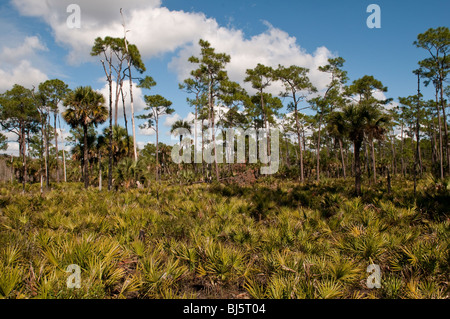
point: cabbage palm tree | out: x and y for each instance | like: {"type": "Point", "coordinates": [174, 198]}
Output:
{"type": "Point", "coordinates": [362, 120]}
{"type": "Point", "coordinates": [121, 144]}
{"type": "Point", "coordinates": [85, 107]}
{"type": "Point", "coordinates": [376, 128]}
{"type": "Point", "coordinates": [336, 129]}
{"type": "Point", "coordinates": [355, 116]}
{"type": "Point", "coordinates": [180, 124]}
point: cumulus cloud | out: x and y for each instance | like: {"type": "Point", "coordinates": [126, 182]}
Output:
{"type": "Point", "coordinates": [146, 131]}
{"type": "Point", "coordinates": [13, 149]}
{"type": "Point", "coordinates": [24, 74]}
{"type": "Point", "coordinates": [97, 19]}
{"type": "Point", "coordinates": [170, 119]}
{"type": "Point", "coordinates": [141, 145]}
{"type": "Point", "coordinates": [12, 142]}
{"type": "Point", "coordinates": [156, 30]}
{"type": "Point", "coordinates": [17, 66]}
{"type": "Point", "coordinates": [271, 48]}
{"type": "Point", "coordinates": [29, 46]}
{"type": "Point", "coordinates": [379, 95]}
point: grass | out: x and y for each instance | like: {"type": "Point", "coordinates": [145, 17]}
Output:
{"type": "Point", "coordinates": [273, 239]}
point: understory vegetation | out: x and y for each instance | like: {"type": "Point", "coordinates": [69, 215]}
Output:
{"type": "Point", "coordinates": [273, 239]}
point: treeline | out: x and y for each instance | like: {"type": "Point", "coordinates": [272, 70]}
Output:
{"type": "Point", "coordinates": [351, 133]}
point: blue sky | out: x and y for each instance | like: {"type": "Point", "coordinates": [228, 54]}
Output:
{"type": "Point", "coordinates": [38, 45]}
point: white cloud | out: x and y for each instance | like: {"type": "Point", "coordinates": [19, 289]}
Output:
{"type": "Point", "coordinates": [24, 50]}
{"type": "Point", "coordinates": [170, 119]}
{"type": "Point", "coordinates": [13, 149]}
{"type": "Point", "coordinates": [190, 117]}
{"type": "Point", "coordinates": [379, 95]}
{"type": "Point", "coordinates": [17, 64]}
{"type": "Point", "coordinates": [146, 131]}
{"type": "Point", "coordinates": [97, 19]}
{"type": "Point", "coordinates": [141, 145]}
{"type": "Point", "coordinates": [24, 74]}
{"type": "Point", "coordinates": [157, 30]}
{"type": "Point", "coordinates": [271, 48]}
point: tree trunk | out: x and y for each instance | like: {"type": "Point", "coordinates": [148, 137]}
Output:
{"type": "Point", "coordinates": [211, 105]}
{"type": "Point", "coordinates": [357, 147]}
{"type": "Point", "coordinates": [203, 145]}
{"type": "Point", "coordinates": [24, 159]}
{"type": "Point", "coordinates": [85, 157]}
{"type": "Point", "coordinates": [318, 151]}
{"type": "Point", "coordinates": [441, 157]}
{"type": "Point", "coordinates": [342, 158]}
{"type": "Point", "coordinates": [157, 149]}
{"type": "Point", "coordinates": [374, 165]}
{"type": "Point", "coordinates": [132, 110]}
{"type": "Point", "coordinates": [47, 155]}
{"type": "Point", "coordinates": [444, 118]}
{"type": "Point", "coordinates": [63, 152]}
{"type": "Point", "coordinates": [118, 90]}
{"type": "Point", "coordinates": [401, 151]}
{"type": "Point", "coordinates": [266, 124]}
{"type": "Point", "coordinates": [110, 160]}
{"type": "Point", "coordinates": [99, 170]}
{"type": "Point", "coordinates": [394, 166]}
{"type": "Point", "coordinates": [366, 162]}
{"type": "Point", "coordinates": [131, 88]}
{"type": "Point", "coordinates": [434, 145]}
{"type": "Point", "coordinates": [125, 118]}
{"type": "Point", "coordinates": [56, 149]}
{"type": "Point", "coordinates": [44, 143]}
{"type": "Point", "coordinates": [417, 159]}
{"type": "Point", "coordinates": [297, 124]}
{"type": "Point", "coordinates": [420, 160]}
{"type": "Point", "coordinates": [195, 137]}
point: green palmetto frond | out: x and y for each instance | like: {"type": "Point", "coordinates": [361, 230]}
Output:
{"type": "Point", "coordinates": [342, 269]}
{"type": "Point", "coordinates": [10, 279]}
{"type": "Point", "coordinates": [255, 288]}
{"type": "Point", "coordinates": [11, 255]}
{"type": "Point", "coordinates": [329, 289]}
{"type": "Point", "coordinates": [283, 286]}
{"type": "Point", "coordinates": [84, 107]}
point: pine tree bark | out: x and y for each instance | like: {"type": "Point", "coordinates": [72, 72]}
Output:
{"type": "Point", "coordinates": [85, 157]}
{"type": "Point", "coordinates": [47, 155]}
{"type": "Point", "coordinates": [56, 149]}
{"type": "Point", "coordinates": [318, 151]}
{"type": "Point", "coordinates": [297, 124]}
{"type": "Point", "coordinates": [157, 149]}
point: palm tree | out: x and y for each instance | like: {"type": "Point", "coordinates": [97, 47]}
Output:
{"type": "Point", "coordinates": [180, 124]}
{"type": "Point", "coordinates": [122, 142]}
{"type": "Point", "coordinates": [85, 107]}
{"type": "Point", "coordinates": [336, 129]}
{"type": "Point", "coordinates": [375, 130]}
{"type": "Point", "coordinates": [355, 120]}
{"type": "Point", "coordinates": [361, 120]}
